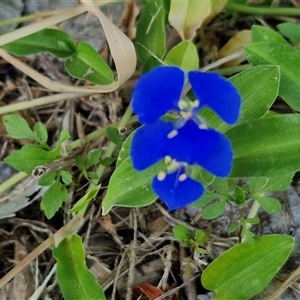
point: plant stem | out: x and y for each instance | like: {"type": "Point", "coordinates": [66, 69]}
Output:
{"type": "Point", "coordinates": [109, 151]}
{"type": "Point", "coordinates": [12, 181]}
{"type": "Point", "coordinates": [267, 11]}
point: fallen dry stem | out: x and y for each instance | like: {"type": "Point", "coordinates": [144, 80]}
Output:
{"type": "Point", "coordinates": [56, 238]}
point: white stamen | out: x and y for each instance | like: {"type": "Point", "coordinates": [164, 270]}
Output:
{"type": "Point", "coordinates": [182, 177]}
{"type": "Point", "coordinates": [172, 134]}
{"type": "Point", "coordinates": [161, 176]}
{"type": "Point", "coordinates": [203, 126]}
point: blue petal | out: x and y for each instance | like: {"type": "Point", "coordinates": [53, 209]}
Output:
{"type": "Point", "coordinates": [192, 144]}
{"type": "Point", "coordinates": [216, 92]}
{"type": "Point", "coordinates": [219, 162]}
{"type": "Point", "coordinates": [157, 92]}
{"type": "Point", "coordinates": [177, 194]}
{"type": "Point", "coordinates": [148, 144]}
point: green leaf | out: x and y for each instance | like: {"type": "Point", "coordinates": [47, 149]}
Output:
{"type": "Point", "coordinates": [238, 196]}
{"type": "Point", "coordinates": [269, 204]}
{"type": "Point", "coordinates": [187, 16]}
{"type": "Point", "coordinates": [52, 41]}
{"type": "Point", "coordinates": [252, 220]}
{"type": "Point", "coordinates": [264, 34]}
{"type": "Point", "coordinates": [66, 177]}
{"type": "Point", "coordinates": [130, 188]}
{"type": "Point", "coordinates": [291, 31]}
{"type": "Point", "coordinates": [47, 179]}
{"type": "Point", "coordinates": [257, 99]}
{"type": "Point", "coordinates": [88, 65]}
{"type": "Point", "coordinates": [233, 227]}
{"type": "Point", "coordinates": [93, 158]}
{"type": "Point", "coordinates": [63, 136]}
{"type": "Point", "coordinates": [213, 210]}
{"type": "Point", "coordinates": [184, 55]}
{"type": "Point", "coordinates": [245, 270]}
{"type": "Point", "coordinates": [74, 278]}
{"type": "Point", "coordinates": [150, 33]}
{"type": "Point", "coordinates": [180, 232]}
{"type": "Point", "coordinates": [207, 197]}
{"type": "Point", "coordinates": [271, 54]}
{"type": "Point", "coordinates": [84, 201]}
{"type": "Point", "coordinates": [29, 157]}
{"type": "Point", "coordinates": [53, 199]}
{"type": "Point", "coordinates": [41, 131]}
{"type": "Point", "coordinates": [260, 185]}
{"type": "Point", "coordinates": [17, 127]}
{"type": "Point", "coordinates": [266, 147]}
{"type": "Point", "coordinates": [114, 136]}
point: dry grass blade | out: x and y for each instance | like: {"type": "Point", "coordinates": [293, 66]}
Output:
{"type": "Point", "coordinates": [121, 47]}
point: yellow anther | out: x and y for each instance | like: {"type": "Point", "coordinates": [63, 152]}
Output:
{"type": "Point", "coordinates": [161, 176]}
{"type": "Point", "coordinates": [172, 134]}
{"type": "Point", "coordinates": [182, 177]}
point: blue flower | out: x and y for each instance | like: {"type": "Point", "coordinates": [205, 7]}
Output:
{"type": "Point", "coordinates": [188, 141]}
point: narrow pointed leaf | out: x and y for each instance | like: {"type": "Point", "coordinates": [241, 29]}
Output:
{"type": "Point", "coordinates": [74, 278]}
{"type": "Point", "coordinates": [150, 33]}
{"type": "Point", "coordinates": [271, 54]}
{"type": "Point", "coordinates": [55, 42]}
{"type": "Point", "coordinates": [246, 269]}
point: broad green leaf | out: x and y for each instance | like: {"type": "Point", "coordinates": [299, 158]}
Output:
{"type": "Point", "coordinates": [88, 65]}
{"type": "Point", "coordinates": [180, 232]}
{"type": "Point", "coordinates": [246, 269]}
{"type": "Point", "coordinates": [53, 199]}
{"type": "Point", "coordinates": [213, 210]}
{"type": "Point", "coordinates": [257, 98]}
{"type": "Point", "coordinates": [264, 34]}
{"type": "Point", "coordinates": [184, 55]}
{"type": "Point", "coordinates": [29, 157]}
{"type": "Point", "coordinates": [17, 127]}
{"type": "Point", "coordinates": [291, 31]}
{"type": "Point", "coordinates": [125, 150]}
{"type": "Point", "coordinates": [74, 278]}
{"type": "Point", "coordinates": [83, 202]}
{"type": "Point", "coordinates": [113, 135]}
{"type": "Point", "coordinates": [260, 185]}
{"type": "Point", "coordinates": [269, 204]}
{"type": "Point", "coordinates": [187, 16]}
{"type": "Point", "coordinates": [130, 188]}
{"type": "Point", "coordinates": [55, 42]}
{"type": "Point", "coordinates": [41, 131]}
{"type": "Point", "coordinates": [272, 54]}
{"type": "Point", "coordinates": [150, 38]}
{"type": "Point", "coordinates": [266, 147]}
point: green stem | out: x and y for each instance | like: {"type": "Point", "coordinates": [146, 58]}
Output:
{"type": "Point", "coordinates": [253, 211]}
{"type": "Point", "coordinates": [108, 153]}
{"type": "Point", "coordinates": [266, 11]}
{"type": "Point", "coordinates": [12, 181]}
